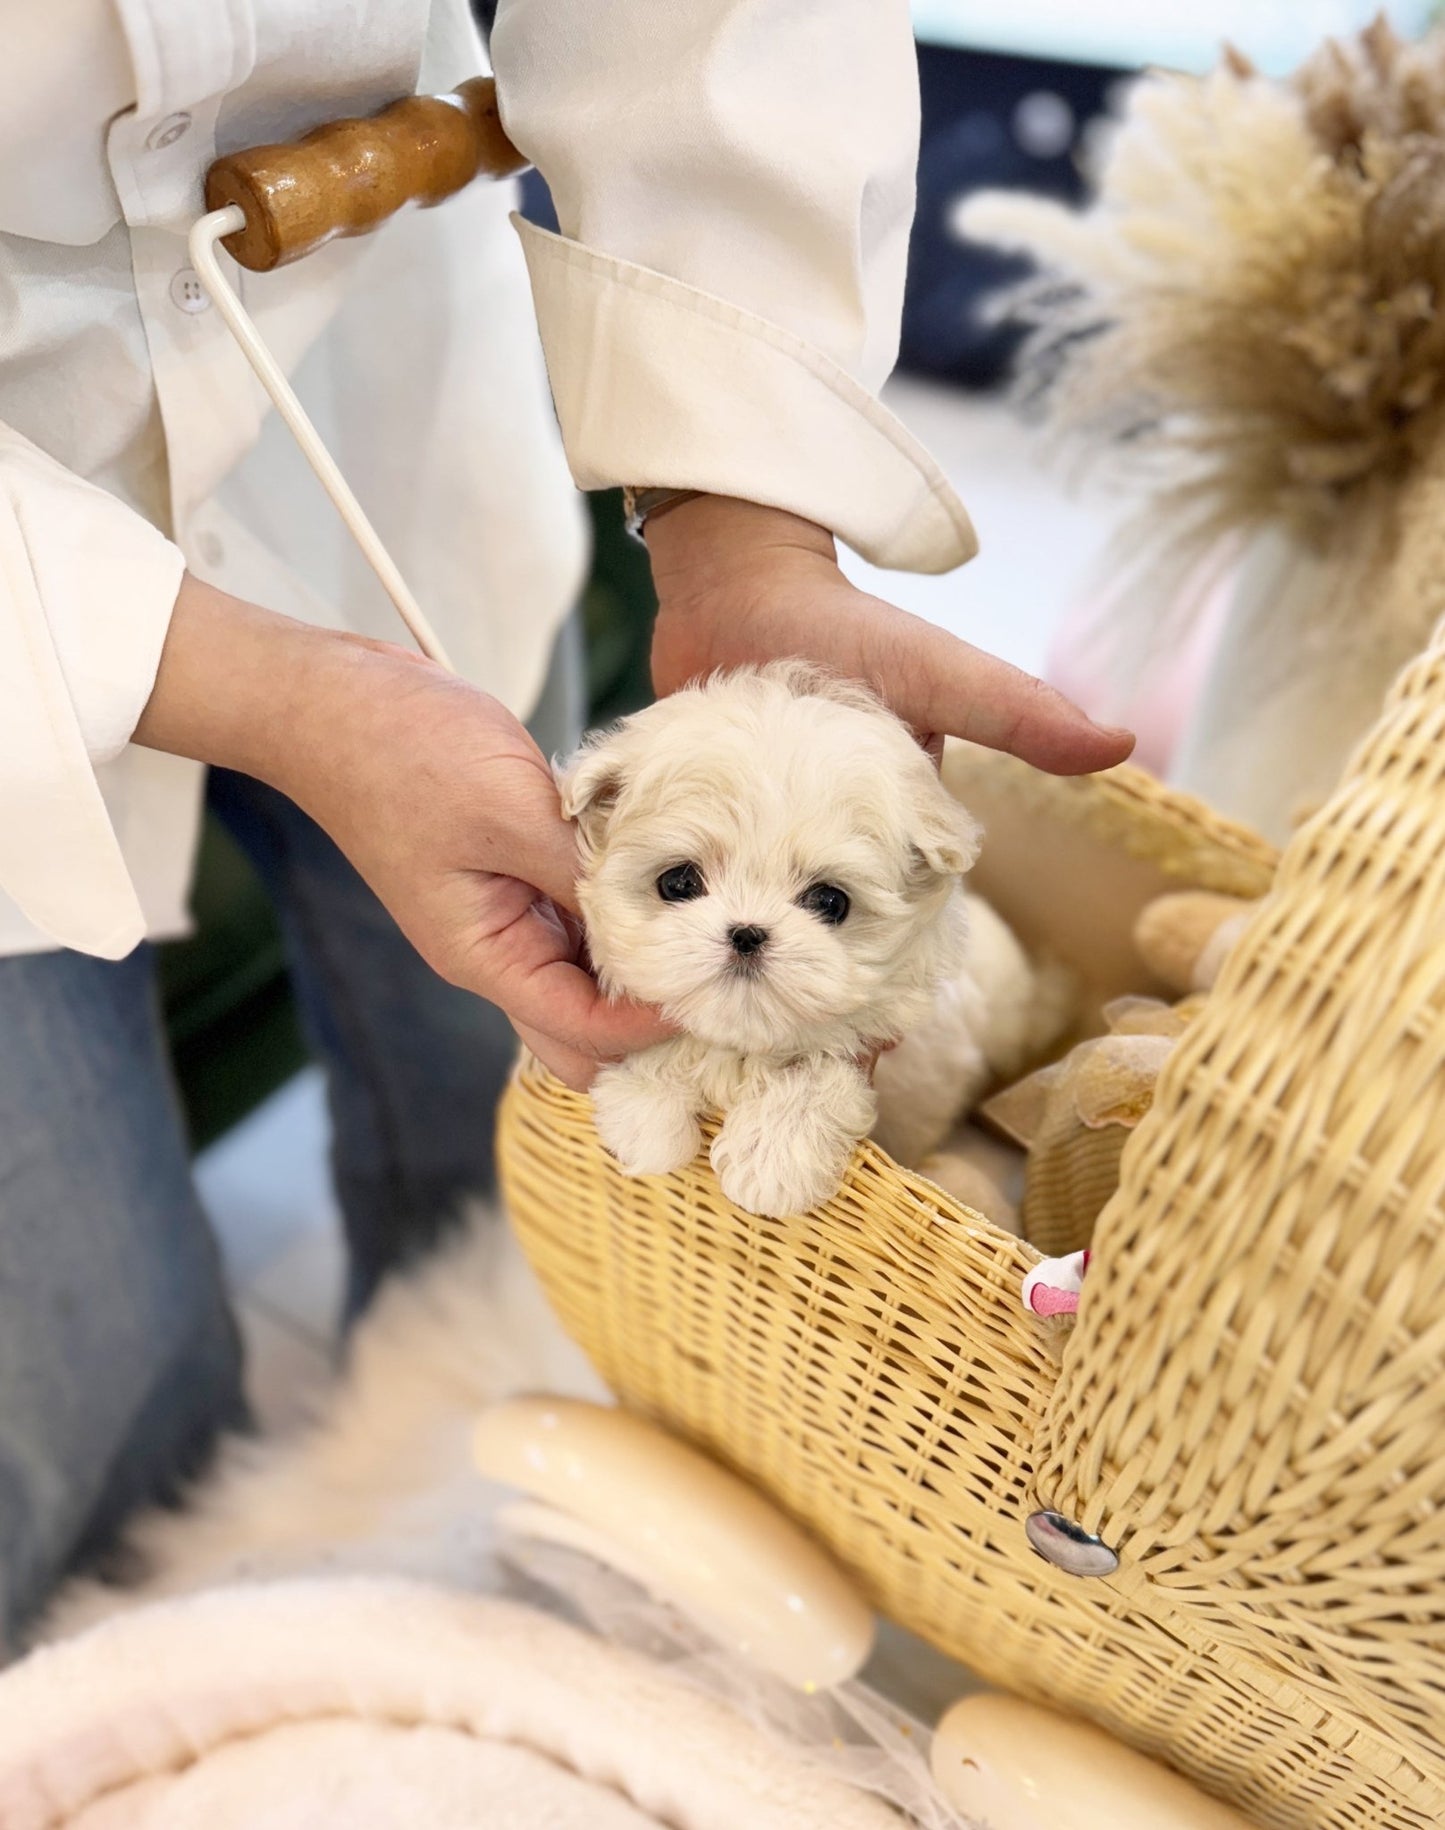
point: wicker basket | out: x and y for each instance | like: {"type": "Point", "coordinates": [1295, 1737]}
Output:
{"type": "Point", "coordinates": [1252, 1406]}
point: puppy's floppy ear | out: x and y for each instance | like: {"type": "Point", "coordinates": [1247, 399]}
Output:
{"type": "Point", "coordinates": [589, 785]}
{"type": "Point", "coordinates": [945, 834]}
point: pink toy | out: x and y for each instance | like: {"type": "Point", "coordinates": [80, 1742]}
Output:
{"type": "Point", "coordinates": [1053, 1286]}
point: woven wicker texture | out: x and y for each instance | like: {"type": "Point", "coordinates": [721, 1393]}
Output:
{"type": "Point", "coordinates": [1126, 810]}
{"type": "Point", "coordinates": [1087, 1106]}
{"type": "Point", "coordinates": [1252, 1407]}
{"type": "Point", "coordinates": [1071, 862]}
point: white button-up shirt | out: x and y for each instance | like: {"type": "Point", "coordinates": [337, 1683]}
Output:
{"type": "Point", "coordinates": [733, 181]}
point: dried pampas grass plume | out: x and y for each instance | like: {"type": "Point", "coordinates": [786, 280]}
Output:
{"type": "Point", "coordinates": [1254, 302]}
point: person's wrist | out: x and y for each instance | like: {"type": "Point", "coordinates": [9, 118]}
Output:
{"type": "Point", "coordinates": [244, 688]}
{"type": "Point", "coordinates": [329, 721]}
{"type": "Point", "coordinates": [712, 542]}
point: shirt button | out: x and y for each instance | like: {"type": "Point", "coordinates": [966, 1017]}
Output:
{"type": "Point", "coordinates": [167, 132]}
{"type": "Point", "coordinates": [188, 292]}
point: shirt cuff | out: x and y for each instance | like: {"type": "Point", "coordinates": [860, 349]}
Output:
{"type": "Point", "coordinates": [658, 383]}
{"type": "Point", "coordinates": [86, 593]}
{"type": "Point", "coordinates": [108, 581]}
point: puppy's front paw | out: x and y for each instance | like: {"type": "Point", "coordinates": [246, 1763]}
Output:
{"type": "Point", "coordinates": [772, 1174]}
{"type": "Point", "coordinates": [650, 1134]}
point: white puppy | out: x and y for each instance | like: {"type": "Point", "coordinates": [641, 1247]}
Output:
{"type": "Point", "coordinates": [771, 859]}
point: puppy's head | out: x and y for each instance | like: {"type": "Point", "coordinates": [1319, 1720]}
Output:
{"type": "Point", "coordinates": [770, 858]}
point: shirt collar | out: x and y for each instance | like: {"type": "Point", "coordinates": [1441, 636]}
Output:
{"type": "Point", "coordinates": [186, 51]}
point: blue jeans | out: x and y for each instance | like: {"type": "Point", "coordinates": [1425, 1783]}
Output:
{"type": "Point", "coordinates": [119, 1360]}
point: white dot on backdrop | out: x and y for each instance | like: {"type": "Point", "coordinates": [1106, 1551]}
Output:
{"type": "Point", "coordinates": [1043, 125]}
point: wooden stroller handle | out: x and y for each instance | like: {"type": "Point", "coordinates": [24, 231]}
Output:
{"type": "Point", "coordinates": [348, 176]}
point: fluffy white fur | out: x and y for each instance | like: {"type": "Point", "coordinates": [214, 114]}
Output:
{"type": "Point", "coordinates": [382, 1480]}
{"type": "Point", "coordinates": [992, 1020]}
{"type": "Point", "coordinates": [370, 1704]}
{"type": "Point", "coordinates": [769, 782]}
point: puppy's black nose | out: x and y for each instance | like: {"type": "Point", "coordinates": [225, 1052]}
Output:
{"type": "Point", "coordinates": [747, 941]}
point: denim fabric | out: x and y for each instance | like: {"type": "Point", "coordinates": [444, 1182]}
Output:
{"type": "Point", "coordinates": [119, 1360]}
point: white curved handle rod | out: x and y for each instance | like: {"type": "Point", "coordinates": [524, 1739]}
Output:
{"type": "Point", "coordinates": [203, 239]}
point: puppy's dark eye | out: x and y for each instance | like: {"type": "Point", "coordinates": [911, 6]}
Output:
{"type": "Point", "coordinates": [683, 883]}
{"type": "Point", "coordinates": [827, 902]}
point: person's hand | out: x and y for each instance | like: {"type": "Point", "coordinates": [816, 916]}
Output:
{"type": "Point", "coordinates": [739, 583]}
{"type": "Point", "coordinates": [432, 789]}
{"type": "Point", "coordinates": [448, 809]}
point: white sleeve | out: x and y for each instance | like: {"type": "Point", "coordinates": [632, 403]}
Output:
{"type": "Point", "coordinates": [734, 183]}
{"type": "Point", "coordinates": [86, 593]}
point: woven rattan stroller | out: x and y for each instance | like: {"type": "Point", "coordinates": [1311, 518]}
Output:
{"type": "Point", "coordinates": [1251, 1410]}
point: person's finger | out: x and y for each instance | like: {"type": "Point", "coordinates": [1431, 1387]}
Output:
{"type": "Point", "coordinates": [564, 1001]}
{"type": "Point", "coordinates": [941, 684]}
{"type": "Point", "coordinates": [518, 951]}
{"type": "Point", "coordinates": [542, 850]}
{"type": "Point", "coordinates": [525, 835]}
{"type": "Point", "coordinates": [570, 935]}
{"type": "Point", "coordinates": [1013, 711]}
{"type": "Point", "coordinates": [532, 974]}
{"type": "Point", "coordinates": [573, 1069]}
